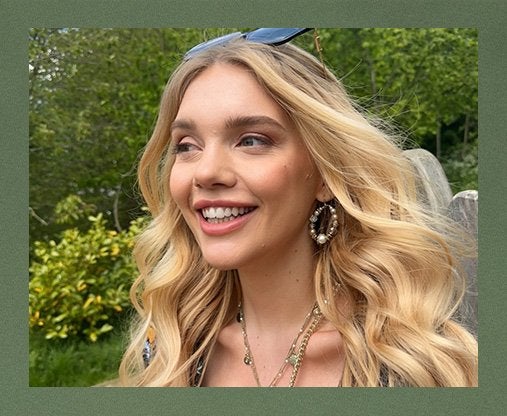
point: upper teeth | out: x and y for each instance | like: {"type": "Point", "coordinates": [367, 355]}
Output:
{"type": "Point", "coordinates": [223, 212]}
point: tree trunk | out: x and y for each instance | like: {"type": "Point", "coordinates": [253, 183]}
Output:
{"type": "Point", "coordinates": [465, 136]}
{"type": "Point", "coordinates": [369, 60]}
{"type": "Point", "coordinates": [115, 209]}
{"type": "Point", "coordinates": [439, 140]}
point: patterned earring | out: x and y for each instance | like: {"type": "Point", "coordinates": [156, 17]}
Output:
{"type": "Point", "coordinates": [328, 224]}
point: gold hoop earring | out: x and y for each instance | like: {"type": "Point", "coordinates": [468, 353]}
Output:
{"type": "Point", "coordinates": [327, 225]}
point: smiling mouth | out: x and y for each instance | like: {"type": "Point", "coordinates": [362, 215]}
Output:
{"type": "Point", "coordinates": [218, 215]}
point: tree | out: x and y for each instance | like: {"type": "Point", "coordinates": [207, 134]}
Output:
{"type": "Point", "coordinates": [94, 96]}
{"type": "Point", "coordinates": [425, 80]}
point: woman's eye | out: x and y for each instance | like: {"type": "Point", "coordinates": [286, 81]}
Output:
{"type": "Point", "coordinates": [183, 148]}
{"type": "Point", "coordinates": [249, 141]}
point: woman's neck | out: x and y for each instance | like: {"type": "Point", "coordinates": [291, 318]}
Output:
{"type": "Point", "coordinates": [278, 295]}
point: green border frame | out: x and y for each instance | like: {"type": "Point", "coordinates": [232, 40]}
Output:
{"type": "Point", "coordinates": [489, 16]}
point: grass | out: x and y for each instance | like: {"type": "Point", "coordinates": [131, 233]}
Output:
{"type": "Point", "coordinates": [74, 363]}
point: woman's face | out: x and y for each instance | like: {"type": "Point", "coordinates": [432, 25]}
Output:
{"type": "Point", "coordinates": [242, 176]}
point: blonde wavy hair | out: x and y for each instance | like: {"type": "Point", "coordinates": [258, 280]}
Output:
{"type": "Point", "coordinates": [393, 264]}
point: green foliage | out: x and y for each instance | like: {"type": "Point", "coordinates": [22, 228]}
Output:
{"type": "Point", "coordinates": [461, 168]}
{"type": "Point", "coordinates": [93, 100]}
{"type": "Point", "coordinates": [71, 209]}
{"type": "Point", "coordinates": [419, 78]}
{"type": "Point", "coordinates": [74, 363]}
{"type": "Point", "coordinates": [79, 285]}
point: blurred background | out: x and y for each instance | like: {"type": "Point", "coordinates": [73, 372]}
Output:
{"type": "Point", "coordinates": [93, 101]}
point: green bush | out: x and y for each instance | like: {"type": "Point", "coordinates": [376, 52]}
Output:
{"type": "Point", "coordinates": [461, 167]}
{"type": "Point", "coordinates": [79, 285]}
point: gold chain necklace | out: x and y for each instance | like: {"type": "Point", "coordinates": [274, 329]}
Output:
{"type": "Point", "coordinates": [293, 358]}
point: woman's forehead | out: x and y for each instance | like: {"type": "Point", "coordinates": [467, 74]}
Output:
{"type": "Point", "coordinates": [228, 89]}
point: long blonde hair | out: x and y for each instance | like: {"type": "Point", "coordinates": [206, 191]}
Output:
{"type": "Point", "coordinates": [391, 263]}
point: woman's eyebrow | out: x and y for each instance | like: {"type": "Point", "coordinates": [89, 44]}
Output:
{"type": "Point", "coordinates": [244, 121]}
{"type": "Point", "coordinates": [231, 123]}
{"type": "Point", "coordinates": [182, 124]}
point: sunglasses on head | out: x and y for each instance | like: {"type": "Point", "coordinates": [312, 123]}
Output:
{"type": "Point", "coordinates": [266, 35]}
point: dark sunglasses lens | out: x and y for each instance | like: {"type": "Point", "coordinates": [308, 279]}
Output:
{"type": "Point", "coordinates": [275, 35]}
{"type": "Point", "coordinates": [210, 43]}
{"type": "Point", "coordinates": [267, 35]}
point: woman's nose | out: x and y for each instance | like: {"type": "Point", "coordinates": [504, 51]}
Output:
{"type": "Point", "coordinates": [214, 169]}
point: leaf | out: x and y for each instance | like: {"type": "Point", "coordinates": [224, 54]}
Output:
{"type": "Point", "coordinates": [88, 302]}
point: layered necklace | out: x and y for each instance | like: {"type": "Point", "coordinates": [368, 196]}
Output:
{"type": "Point", "coordinates": [295, 354]}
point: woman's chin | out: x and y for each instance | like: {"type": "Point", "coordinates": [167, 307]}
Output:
{"type": "Point", "coordinates": [221, 264]}
{"type": "Point", "coordinates": [223, 268]}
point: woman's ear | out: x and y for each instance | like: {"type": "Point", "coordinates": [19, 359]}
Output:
{"type": "Point", "coordinates": [324, 194]}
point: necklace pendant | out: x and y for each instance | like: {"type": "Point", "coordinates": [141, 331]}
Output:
{"type": "Point", "coordinates": [293, 359]}
{"type": "Point", "coordinates": [247, 360]}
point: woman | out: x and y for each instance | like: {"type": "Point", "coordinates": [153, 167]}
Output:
{"type": "Point", "coordinates": [286, 246]}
